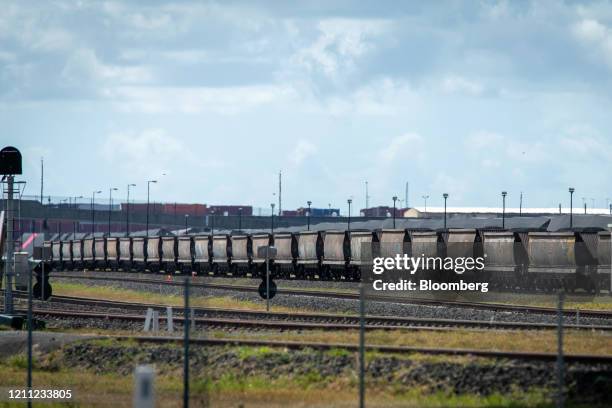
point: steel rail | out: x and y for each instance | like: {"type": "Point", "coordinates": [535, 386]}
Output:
{"type": "Point", "coordinates": [381, 322]}
{"type": "Point", "coordinates": [355, 296]}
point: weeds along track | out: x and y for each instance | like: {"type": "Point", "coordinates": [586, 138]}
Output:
{"type": "Point", "coordinates": [349, 295]}
{"type": "Point", "coordinates": [534, 356]}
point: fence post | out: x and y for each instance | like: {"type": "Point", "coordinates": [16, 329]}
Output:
{"type": "Point", "coordinates": [361, 347]}
{"type": "Point", "coordinates": [186, 346]}
{"type": "Point", "coordinates": [144, 376]}
{"type": "Point", "coordinates": [560, 371]}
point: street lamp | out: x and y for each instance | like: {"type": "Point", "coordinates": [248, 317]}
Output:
{"type": "Point", "coordinates": [309, 203]}
{"type": "Point", "coordinates": [272, 219]}
{"type": "Point", "coordinates": [110, 204]}
{"type": "Point", "coordinates": [212, 222]}
{"type": "Point", "coordinates": [394, 200]}
{"type": "Point", "coordinates": [93, 213]}
{"type": "Point", "coordinates": [571, 191]}
{"type": "Point", "coordinates": [186, 218]}
{"type": "Point", "coordinates": [349, 201]}
{"type": "Point", "coordinates": [127, 216]}
{"type": "Point", "coordinates": [75, 200]}
{"type": "Point", "coordinates": [504, 193]}
{"type": "Point", "coordinates": [445, 195]}
{"type": "Point", "coordinates": [148, 195]}
{"type": "Point", "coordinates": [240, 219]}
{"type": "Point", "coordinates": [425, 197]}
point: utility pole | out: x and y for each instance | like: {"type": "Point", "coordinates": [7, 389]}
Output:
{"type": "Point", "coordinates": [127, 215]}
{"type": "Point", "coordinates": [504, 194]}
{"type": "Point", "coordinates": [425, 197]}
{"type": "Point", "coordinates": [42, 181]}
{"type": "Point", "coordinates": [280, 193]}
{"type": "Point", "coordinates": [42, 178]}
{"type": "Point", "coordinates": [571, 191]}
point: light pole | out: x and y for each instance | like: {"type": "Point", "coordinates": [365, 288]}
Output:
{"type": "Point", "coordinates": [93, 212]}
{"type": "Point", "coordinates": [75, 200]}
{"type": "Point", "coordinates": [394, 200]}
{"type": "Point", "coordinates": [584, 204]}
{"type": "Point", "coordinates": [127, 213]}
{"type": "Point", "coordinates": [148, 195]}
{"type": "Point", "coordinates": [186, 218]}
{"type": "Point", "coordinates": [110, 204]}
{"type": "Point", "coordinates": [445, 195]}
{"type": "Point", "coordinates": [504, 193]}
{"type": "Point", "coordinates": [425, 197]}
{"type": "Point", "coordinates": [521, 205]}
{"type": "Point", "coordinates": [349, 201]}
{"type": "Point", "coordinates": [571, 191]}
{"type": "Point", "coordinates": [212, 222]}
{"type": "Point", "coordinates": [309, 203]}
{"type": "Point", "coordinates": [240, 219]}
{"type": "Point", "coordinates": [272, 218]}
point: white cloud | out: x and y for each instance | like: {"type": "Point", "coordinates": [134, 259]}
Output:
{"type": "Point", "coordinates": [381, 97]}
{"type": "Point", "coordinates": [584, 142]}
{"type": "Point", "coordinates": [596, 37]}
{"type": "Point", "coordinates": [142, 147]}
{"type": "Point", "coordinates": [483, 140]}
{"type": "Point", "coordinates": [341, 42]}
{"type": "Point", "coordinates": [459, 84]}
{"type": "Point", "coordinates": [302, 151]}
{"type": "Point", "coordinates": [491, 147]}
{"type": "Point", "coordinates": [408, 146]}
{"type": "Point", "coordinates": [83, 66]}
{"type": "Point", "coordinates": [223, 100]}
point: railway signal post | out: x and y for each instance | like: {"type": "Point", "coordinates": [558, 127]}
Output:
{"type": "Point", "coordinates": [10, 165]}
{"type": "Point", "coordinates": [267, 288]}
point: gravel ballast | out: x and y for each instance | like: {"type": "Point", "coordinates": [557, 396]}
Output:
{"type": "Point", "coordinates": [331, 305]}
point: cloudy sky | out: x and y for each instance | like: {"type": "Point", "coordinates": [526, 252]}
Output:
{"type": "Point", "coordinates": [469, 98]}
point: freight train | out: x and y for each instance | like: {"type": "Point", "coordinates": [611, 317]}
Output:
{"type": "Point", "coordinates": [572, 259]}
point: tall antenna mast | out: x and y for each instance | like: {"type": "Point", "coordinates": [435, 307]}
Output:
{"type": "Point", "coordinates": [42, 178]}
{"type": "Point", "coordinates": [42, 183]}
{"type": "Point", "coordinates": [280, 192]}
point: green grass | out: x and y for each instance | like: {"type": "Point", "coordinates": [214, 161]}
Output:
{"type": "Point", "coordinates": [577, 342]}
{"type": "Point", "coordinates": [258, 352]}
{"type": "Point", "coordinates": [232, 389]}
{"type": "Point", "coordinates": [137, 296]}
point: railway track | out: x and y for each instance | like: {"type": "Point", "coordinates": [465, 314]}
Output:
{"type": "Point", "coordinates": [284, 320]}
{"type": "Point", "coordinates": [605, 314]}
{"type": "Point", "coordinates": [570, 358]}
